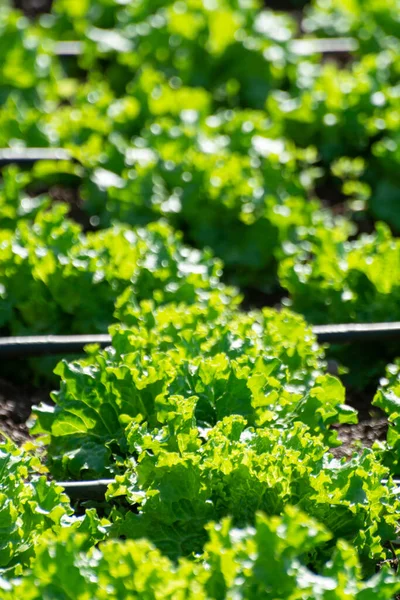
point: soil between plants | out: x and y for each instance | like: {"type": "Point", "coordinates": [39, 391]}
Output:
{"type": "Point", "coordinates": [356, 437]}
{"type": "Point", "coordinates": [15, 408]}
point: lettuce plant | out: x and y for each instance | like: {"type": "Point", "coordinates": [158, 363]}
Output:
{"type": "Point", "coordinates": [220, 361]}
{"type": "Point", "coordinates": [334, 280]}
{"type": "Point", "coordinates": [29, 506]}
{"type": "Point", "coordinates": [179, 478]}
{"type": "Point", "coordinates": [387, 399]}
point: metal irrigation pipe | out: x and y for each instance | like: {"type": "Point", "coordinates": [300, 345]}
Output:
{"type": "Point", "coordinates": [42, 345]}
{"type": "Point", "coordinates": [301, 47]}
{"type": "Point", "coordinates": [356, 332]}
{"type": "Point", "coordinates": [47, 345]}
{"type": "Point", "coordinates": [65, 49]}
{"type": "Point", "coordinates": [86, 490]}
{"type": "Point", "coordinates": [29, 156]}
{"type": "Point", "coordinates": [96, 489]}
{"type": "Point", "coordinates": [308, 47]}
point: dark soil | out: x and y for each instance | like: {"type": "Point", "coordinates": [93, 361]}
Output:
{"type": "Point", "coordinates": [254, 299]}
{"type": "Point", "coordinates": [15, 408]}
{"type": "Point", "coordinates": [67, 195]}
{"type": "Point", "coordinates": [356, 437]}
{"type": "Point", "coordinates": [72, 197]}
{"type": "Point", "coordinates": [288, 6]}
{"type": "Point", "coordinates": [32, 8]}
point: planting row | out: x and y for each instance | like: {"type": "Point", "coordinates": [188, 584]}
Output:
{"type": "Point", "coordinates": [202, 413]}
{"type": "Point", "coordinates": [219, 428]}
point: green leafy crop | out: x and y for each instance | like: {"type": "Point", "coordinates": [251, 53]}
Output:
{"type": "Point", "coordinates": [54, 278]}
{"type": "Point", "coordinates": [15, 205]}
{"type": "Point", "coordinates": [387, 399]}
{"type": "Point", "coordinates": [331, 279]}
{"type": "Point", "coordinates": [202, 145]}
{"type": "Point", "coordinates": [373, 22]}
{"type": "Point", "coordinates": [25, 66]}
{"type": "Point", "coordinates": [229, 47]}
{"type": "Point", "coordinates": [339, 110]}
{"type": "Point", "coordinates": [268, 560]}
{"type": "Point", "coordinates": [32, 507]}
{"type": "Point", "coordinates": [220, 361]}
{"type": "Point", "coordinates": [334, 280]}
{"type": "Point", "coordinates": [181, 478]}
{"type": "Point", "coordinates": [29, 506]}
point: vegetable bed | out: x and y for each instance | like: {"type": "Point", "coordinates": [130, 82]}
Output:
{"type": "Point", "coordinates": [198, 188]}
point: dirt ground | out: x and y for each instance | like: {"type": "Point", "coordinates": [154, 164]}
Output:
{"type": "Point", "coordinates": [33, 7]}
{"type": "Point", "coordinates": [15, 408]}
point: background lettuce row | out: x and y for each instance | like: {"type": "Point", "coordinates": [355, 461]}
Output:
{"type": "Point", "coordinates": [268, 560]}
{"type": "Point", "coordinates": [375, 24]}
{"type": "Point", "coordinates": [55, 279]}
{"type": "Point", "coordinates": [334, 280]}
{"type": "Point", "coordinates": [341, 109]}
{"type": "Point", "coordinates": [258, 189]}
{"type": "Point", "coordinates": [15, 204]}
{"type": "Point", "coordinates": [26, 68]}
{"type": "Point", "coordinates": [238, 61]}
{"type": "Point", "coordinates": [260, 197]}
{"type": "Point", "coordinates": [358, 115]}
{"type": "Point", "coordinates": [349, 112]}
{"type": "Point", "coordinates": [256, 208]}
